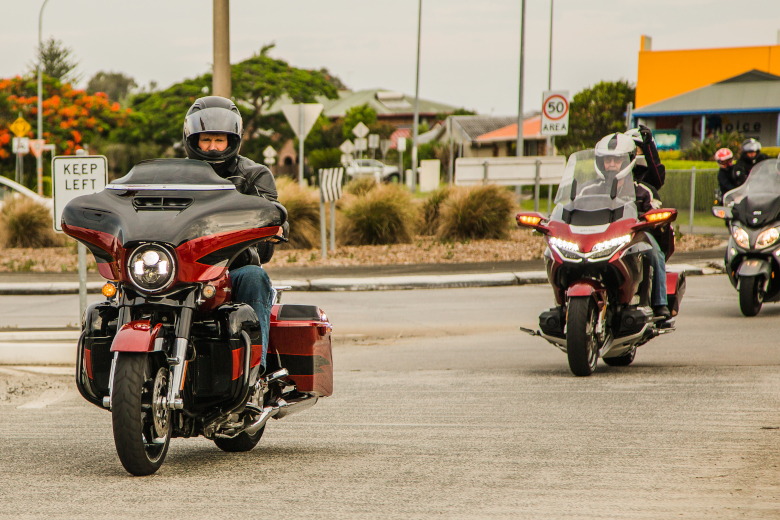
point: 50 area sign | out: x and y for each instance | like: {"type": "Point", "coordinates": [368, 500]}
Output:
{"type": "Point", "coordinates": [555, 112]}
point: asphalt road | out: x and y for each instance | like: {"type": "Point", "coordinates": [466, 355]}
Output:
{"type": "Point", "coordinates": [444, 410]}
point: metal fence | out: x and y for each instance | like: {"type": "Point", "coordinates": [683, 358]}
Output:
{"type": "Point", "coordinates": [689, 191]}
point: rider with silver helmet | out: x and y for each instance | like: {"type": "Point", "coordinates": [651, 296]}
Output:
{"type": "Point", "coordinates": [750, 156]}
{"type": "Point", "coordinates": [212, 133]}
{"type": "Point", "coordinates": [614, 154]}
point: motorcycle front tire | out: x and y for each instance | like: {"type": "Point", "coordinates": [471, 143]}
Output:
{"type": "Point", "coordinates": [132, 423]}
{"type": "Point", "coordinates": [582, 346]}
{"type": "Point", "coordinates": [750, 297]}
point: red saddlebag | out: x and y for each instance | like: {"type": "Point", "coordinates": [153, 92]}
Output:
{"type": "Point", "coordinates": [675, 289]}
{"type": "Point", "coordinates": [299, 341]}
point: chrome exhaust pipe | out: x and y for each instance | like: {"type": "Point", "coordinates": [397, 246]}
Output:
{"type": "Point", "coordinates": [281, 408]}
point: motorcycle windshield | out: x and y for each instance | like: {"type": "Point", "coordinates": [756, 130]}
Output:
{"type": "Point", "coordinates": [763, 181]}
{"type": "Point", "coordinates": [589, 196]}
{"type": "Point", "coordinates": [171, 201]}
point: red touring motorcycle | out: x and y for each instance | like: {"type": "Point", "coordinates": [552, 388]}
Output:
{"type": "Point", "coordinates": [595, 265]}
{"type": "Point", "coordinates": [168, 353]}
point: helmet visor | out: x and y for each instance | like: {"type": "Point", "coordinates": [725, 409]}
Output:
{"type": "Point", "coordinates": [213, 121]}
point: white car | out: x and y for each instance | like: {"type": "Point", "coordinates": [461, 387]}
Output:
{"type": "Point", "coordinates": [372, 167]}
{"type": "Point", "coordinates": [9, 188]}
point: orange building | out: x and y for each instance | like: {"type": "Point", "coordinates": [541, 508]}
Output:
{"type": "Point", "coordinates": [688, 95]}
{"type": "Point", "coordinates": [665, 74]}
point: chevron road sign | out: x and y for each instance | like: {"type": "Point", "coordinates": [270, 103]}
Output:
{"type": "Point", "coordinates": [330, 191]}
{"type": "Point", "coordinates": [330, 184]}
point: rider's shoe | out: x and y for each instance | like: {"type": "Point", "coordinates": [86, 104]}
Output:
{"type": "Point", "coordinates": [662, 311]}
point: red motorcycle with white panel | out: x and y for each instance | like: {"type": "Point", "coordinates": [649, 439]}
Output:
{"type": "Point", "coordinates": [597, 267]}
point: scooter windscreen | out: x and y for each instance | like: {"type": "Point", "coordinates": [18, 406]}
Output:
{"type": "Point", "coordinates": [591, 195]}
{"type": "Point", "coordinates": [757, 202]}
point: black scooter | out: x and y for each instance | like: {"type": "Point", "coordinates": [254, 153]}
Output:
{"type": "Point", "coordinates": [752, 213]}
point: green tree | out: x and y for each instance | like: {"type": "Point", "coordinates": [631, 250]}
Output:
{"type": "Point", "coordinates": [362, 114]}
{"type": "Point", "coordinates": [261, 81]}
{"type": "Point", "coordinates": [115, 84]}
{"type": "Point", "coordinates": [258, 83]}
{"type": "Point", "coordinates": [595, 112]}
{"type": "Point", "coordinates": [57, 61]}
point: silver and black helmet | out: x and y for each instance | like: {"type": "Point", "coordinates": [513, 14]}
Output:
{"type": "Point", "coordinates": [213, 115]}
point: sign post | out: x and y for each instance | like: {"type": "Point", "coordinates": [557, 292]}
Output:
{"type": "Point", "coordinates": [330, 191]}
{"type": "Point", "coordinates": [373, 144]}
{"type": "Point", "coordinates": [360, 131]}
{"type": "Point", "coordinates": [269, 155]}
{"type": "Point", "coordinates": [74, 176]}
{"type": "Point", "coordinates": [400, 146]}
{"type": "Point", "coordinates": [302, 118]}
{"type": "Point", "coordinates": [555, 112]}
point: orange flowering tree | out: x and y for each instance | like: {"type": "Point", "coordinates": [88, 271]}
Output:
{"type": "Point", "coordinates": [71, 118]}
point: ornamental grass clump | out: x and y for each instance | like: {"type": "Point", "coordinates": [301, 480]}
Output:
{"type": "Point", "coordinates": [26, 223]}
{"type": "Point", "coordinates": [303, 213]}
{"type": "Point", "coordinates": [476, 212]}
{"type": "Point", "coordinates": [431, 210]}
{"type": "Point", "coordinates": [360, 186]}
{"type": "Point", "coordinates": [384, 215]}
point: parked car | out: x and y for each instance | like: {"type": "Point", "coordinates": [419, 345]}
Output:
{"type": "Point", "coordinates": [372, 167]}
{"type": "Point", "coordinates": [9, 188]}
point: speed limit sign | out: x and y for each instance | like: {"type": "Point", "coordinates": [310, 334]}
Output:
{"type": "Point", "coordinates": [555, 112]}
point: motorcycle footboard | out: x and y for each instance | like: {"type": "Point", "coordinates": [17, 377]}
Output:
{"type": "Point", "coordinates": [675, 289]}
{"type": "Point", "coordinates": [300, 341]}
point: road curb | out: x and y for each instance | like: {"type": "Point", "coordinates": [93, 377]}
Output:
{"type": "Point", "coordinates": [380, 283]}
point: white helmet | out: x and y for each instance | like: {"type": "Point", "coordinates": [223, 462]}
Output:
{"type": "Point", "coordinates": [615, 146]}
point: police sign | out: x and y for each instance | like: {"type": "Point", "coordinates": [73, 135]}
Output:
{"type": "Point", "coordinates": [74, 176]}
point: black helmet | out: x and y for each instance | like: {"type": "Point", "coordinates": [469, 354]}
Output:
{"type": "Point", "coordinates": [213, 115]}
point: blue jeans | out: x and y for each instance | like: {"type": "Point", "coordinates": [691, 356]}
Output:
{"type": "Point", "coordinates": [252, 286]}
{"type": "Point", "coordinates": [657, 260]}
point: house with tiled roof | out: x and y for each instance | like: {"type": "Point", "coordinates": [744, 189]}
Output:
{"type": "Point", "coordinates": [495, 136]}
{"type": "Point", "coordinates": [395, 108]}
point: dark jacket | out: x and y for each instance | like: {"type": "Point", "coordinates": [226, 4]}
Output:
{"type": "Point", "coordinates": [730, 178]}
{"type": "Point", "coordinates": [745, 164]}
{"type": "Point", "coordinates": [654, 174]}
{"type": "Point", "coordinates": [255, 179]}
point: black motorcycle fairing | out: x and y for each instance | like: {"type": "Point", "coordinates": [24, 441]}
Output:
{"type": "Point", "coordinates": [757, 210]}
{"type": "Point", "coordinates": [192, 202]}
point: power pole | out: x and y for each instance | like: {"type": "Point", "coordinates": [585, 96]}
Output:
{"type": "Point", "coordinates": [221, 85]}
{"type": "Point", "coordinates": [522, 59]}
{"type": "Point", "coordinates": [416, 103]}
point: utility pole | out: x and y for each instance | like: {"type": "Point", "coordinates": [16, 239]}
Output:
{"type": "Point", "coordinates": [221, 85]}
{"type": "Point", "coordinates": [39, 158]}
{"type": "Point", "coordinates": [416, 103]}
{"type": "Point", "coordinates": [550, 139]}
{"type": "Point", "coordinates": [522, 59]}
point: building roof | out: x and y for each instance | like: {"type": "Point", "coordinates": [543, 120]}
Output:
{"type": "Point", "coordinates": [385, 102]}
{"type": "Point", "coordinates": [532, 129]}
{"type": "Point", "coordinates": [471, 127]}
{"type": "Point", "coordinates": [750, 92]}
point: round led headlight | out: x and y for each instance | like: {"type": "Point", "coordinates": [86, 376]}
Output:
{"type": "Point", "coordinates": [151, 268]}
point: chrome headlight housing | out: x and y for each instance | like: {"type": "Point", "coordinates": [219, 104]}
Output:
{"type": "Point", "coordinates": [768, 237]}
{"type": "Point", "coordinates": [741, 237]}
{"type": "Point", "coordinates": [608, 247]}
{"type": "Point", "coordinates": [151, 268]}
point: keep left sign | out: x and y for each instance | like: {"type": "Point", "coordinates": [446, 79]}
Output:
{"type": "Point", "coordinates": [74, 176]}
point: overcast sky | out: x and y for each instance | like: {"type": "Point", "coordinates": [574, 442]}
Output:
{"type": "Point", "coordinates": [470, 49]}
